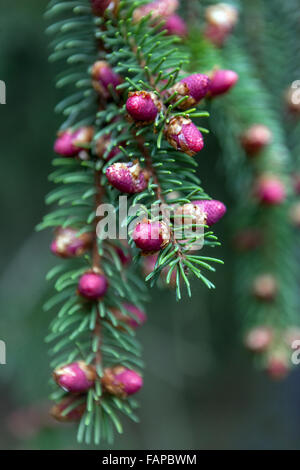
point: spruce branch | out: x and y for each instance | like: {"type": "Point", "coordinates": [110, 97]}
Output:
{"type": "Point", "coordinates": [110, 59]}
{"type": "Point", "coordinates": [92, 337]}
{"type": "Point", "coordinates": [147, 68]}
{"type": "Point", "coordinates": [265, 262]}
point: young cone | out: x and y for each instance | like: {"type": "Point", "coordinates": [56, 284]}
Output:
{"type": "Point", "coordinates": [92, 286]}
{"type": "Point", "coordinates": [70, 143]}
{"type": "Point", "coordinates": [222, 81]}
{"type": "Point", "coordinates": [195, 87]}
{"type": "Point", "coordinates": [77, 377]}
{"type": "Point", "coordinates": [67, 243]}
{"type": "Point", "coordinates": [151, 236]}
{"type": "Point", "coordinates": [213, 209]}
{"type": "Point", "coordinates": [58, 411]}
{"type": "Point", "coordinates": [143, 106]}
{"type": "Point", "coordinates": [270, 190]}
{"type": "Point", "coordinates": [183, 135]}
{"type": "Point", "coordinates": [158, 8]}
{"type": "Point", "coordinates": [121, 382]}
{"type": "Point", "coordinates": [256, 138]}
{"type": "Point", "coordinates": [128, 178]}
{"type": "Point", "coordinates": [103, 77]}
{"type": "Point", "coordinates": [259, 339]}
{"type": "Point", "coordinates": [176, 26]}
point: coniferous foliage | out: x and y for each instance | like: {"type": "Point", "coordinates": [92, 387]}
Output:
{"type": "Point", "coordinates": [128, 130]}
{"type": "Point", "coordinates": [139, 86]}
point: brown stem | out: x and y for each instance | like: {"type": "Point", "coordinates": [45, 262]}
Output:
{"type": "Point", "coordinates": [96, 263]}
{"type": "Point", "coordinates": [144, 151]}
{"type": "Point", "coordinates": [158, 190]}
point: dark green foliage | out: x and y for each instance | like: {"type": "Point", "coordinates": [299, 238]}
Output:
{"type": "Point", "coordinates": [136, 51]}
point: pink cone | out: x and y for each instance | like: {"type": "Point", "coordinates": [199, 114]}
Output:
{"type": "Point", "coordinates": [277, 367]}
{"type": "Point", "coordinates": [103, 76]}
{"type": "Point", "coordinates": [195, 86]}
{"type": "Point", "coordinates": [213, 209]}
{"type": "Point", "coordinates": [67, 244]}
{"type": "Point", "coordinates": [151, 236]}
{"type": "Point", "coordinates": [99, 6]}
{"type": "Point", "coordinates": [68, 142]}
{"type": "Point", "coordinates": [124, 255]}
{"type": "Point", "coordinates": [259, 339]}
{"type": "Point", "coordinates": [135, 320]}
{"type": "Point", "coordinates": [158, 9]}
{"type": "Point", "coordinates": [128, 178]}
{"type": "Point", "coordinates": [255, 138]}
{"type": "Point", "coordinates": [222, 81]}
{"type": "Point", "coordinates": [121, 381]}
{"type": "Point", "coordinates": [270, 190]}
{"type": "Point", "coordinates": [92, 286]}
{"type": "Point", "coordinates": [184, 136]}
{"type": "Point", "coordinates": [176, 26]}
{"type": "Point", "coordinates": [77, 377]}
{"type": "Point", "coordinates": [265, 287]}
{"type": "Point", "coordinates": [72, 416]}
{"type": "Point", "coordinates": [102, 146]}
{"type": "Point", "coordinates": [143, 106]}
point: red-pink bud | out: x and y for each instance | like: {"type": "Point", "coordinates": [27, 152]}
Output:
{"type": "Point", "coordinates": [67, 244]}
{"type": "Point", "coordinates": [183, 135]}
{"type": "Point", "coordinates": [138, 317]}
{"type": "Point", "coordinates": [124, 254]}
{"type": "Point", "coordinates": [151, 236]}
{"type": "Point", "coordinates": [256, 138]}
{"type": "Point", "coordinates": [195, 87]}
{"type": "Point", "coordinates": [149, 265]}
{"type": "Point", "coordinates": [135, 320]}
{"type": "Point", "coordinates": [265, 287]}
{"type": "Point", "coordinates": [92, 286]}
{"type": "Point", "coordinates": [69, 142]}
{"type": "Point", "coordinates": [99, 6]}
{"type": "Point", "coordinates": [143, 106]}
{"type": "Point", "coordinates": [277, 367]}
{"type": "Point", "coordinates": [128, 178]}
{"type": "Point", "coordinates": [176, 26]}
{"type": "Point", "coordinates": [103, 76]}
{"type": "Point", "coordinates": [259, 339]}
{"type": "Point", "coordinates": [74, 415]}
{"type": "Point", "coordinates": [121, 382]}
{"type": "Point", "coordinates": [270, 190]}
{"type": "Point", "coordinates": [158, 9]}
{"type": "Point", "coordinates": [220, 19]}
{"type": "Point", "coordinates": [222, 81]}
{"type": "Point", "coordinates": [222, 15]}
{"type": "Point", "coordinates": [104, 149]}
{"type": "Point", "coordinates": [77, 377]}
{"type": "Point", "coordinates": [213, 209]}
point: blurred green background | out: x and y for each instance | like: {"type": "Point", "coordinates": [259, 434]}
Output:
{"type": "Point", "coordinates": [201, 391]}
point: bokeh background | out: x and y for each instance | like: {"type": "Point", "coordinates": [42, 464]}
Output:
{"type": "Point", "coordinates": [201, 391]}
